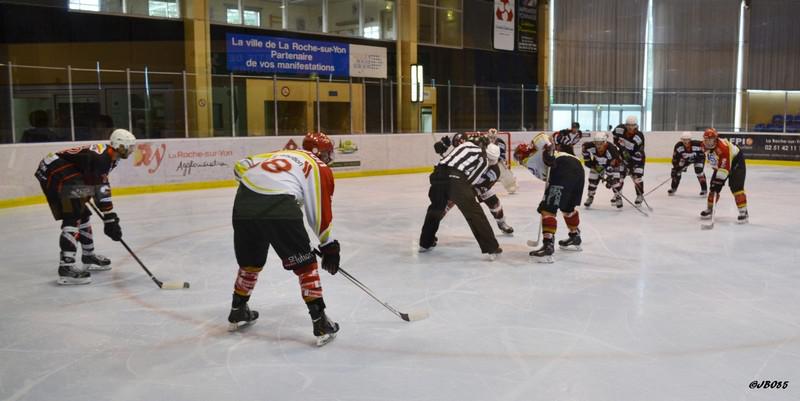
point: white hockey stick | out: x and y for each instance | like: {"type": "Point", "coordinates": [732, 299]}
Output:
{"type": "Point", "coordinates": [710, 225]}
{"type": "Point", "coordinates": [658, 186]}
{"type": "Point", "coordinates": [532, 243]}
{"type": "Point", "coordinates": [639, 209]}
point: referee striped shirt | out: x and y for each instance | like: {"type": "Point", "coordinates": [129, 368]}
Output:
{"type": "Point", "coordinates": [469, 159]}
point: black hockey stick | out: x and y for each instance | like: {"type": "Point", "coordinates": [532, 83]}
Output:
{"type": "Point", "coordinates": [408, 317]}
{"type": "Point", "coordinates": [631, 203]}
{"type": "Point", "coordinates": [169, 285]}
{"type": "Point", "coordinates": [658, 186]}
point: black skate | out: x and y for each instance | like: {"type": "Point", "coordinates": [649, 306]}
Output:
{"type": "Point", "coordinates": [423, 249]}
{"type": "Point", "coordinates": [241, 317]}
{"type": "Point", "coordinates": [589, 200]}
{"type": "Point", "coordinates": [703, 192]}
{"type": "Point", "coordinates": [706, 214]}
{"type": "Point", "coordinates": [505, 228]}
{"type": "Point", "coordinates": [671, 191]}
{"type": "Point", "coordinates": [573, 243]}
{"type": "Point", "coordinates": [324, 329]}
{"type": "Point", "coordinates": [545, 253]}
{"type": "Point", "coordinates": [744, 217]}
{"type": "Point", "coordinates": [617, 201]}
{"type": "Point", "coordinates": [638, 201]}
{"type": "Point", "coordinates": [96, 262]}
{"type": "Point", "coordinates": [69, 275]}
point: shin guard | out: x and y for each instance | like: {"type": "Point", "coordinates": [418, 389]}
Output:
{"type": "Point", "coordinates": [246, 280]}
{"type": "Point", "coordinates": [310, 285]}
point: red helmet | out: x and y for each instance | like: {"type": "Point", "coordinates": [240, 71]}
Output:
{"type": "Point", "coordinates": [319, 144]}
{"type": "Point", "coordinates": [522, 152]}
{"type": "Point", "coordinates": [710, 137]}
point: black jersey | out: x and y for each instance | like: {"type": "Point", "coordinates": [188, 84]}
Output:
{"type": "Point", "coordinates": [685, 155]}
{"type": "Point", "coordinates": [631, 147]}
{"type": "Point", "coordinates": [503, 149]}
{"type": "Point", "coordinates": [487, 180]}
{"type": "Point", "coordinates": [84, 169]}
{"type": "Point", "coordinates": [608, 161]}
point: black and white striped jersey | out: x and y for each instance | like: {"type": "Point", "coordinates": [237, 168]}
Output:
{"type": "Point", "coordinates": [468, 158]}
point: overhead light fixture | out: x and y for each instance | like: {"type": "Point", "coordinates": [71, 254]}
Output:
{"type": "Point", "coordinates": [416, 83]}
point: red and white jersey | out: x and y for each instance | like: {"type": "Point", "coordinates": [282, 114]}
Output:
{"type": "Point", "coordinates": [293, 172]}
{"type": "Point", "coordinates": [721, 157]}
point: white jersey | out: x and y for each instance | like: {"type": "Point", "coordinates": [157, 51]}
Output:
{"type": "Point", "coordinates": [293, 172]}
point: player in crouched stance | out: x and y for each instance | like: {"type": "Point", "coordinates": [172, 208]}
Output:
{"type": "Point", "coordinates": [267, 211]}
{"type": "Point", "coordinates": [564, 176]}
{"type": "Point", "coordinates": [70, 179]}
{"type": "Point", "coordinates": [727, 160]}
{"type": "Point", "coordinates": [688, 152]}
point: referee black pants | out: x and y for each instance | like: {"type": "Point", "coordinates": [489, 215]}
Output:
{"type": "Point", "coordinates": [450, 184]}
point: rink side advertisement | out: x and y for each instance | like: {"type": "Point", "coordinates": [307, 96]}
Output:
{"type": "Point", "coordinates": [766, 146]}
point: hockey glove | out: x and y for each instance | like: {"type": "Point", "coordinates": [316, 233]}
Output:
{"type": "Point", "coordinates": [330, 257]}
{"type": "Point", "coordinates": [611, 182]}
{"type": "Point", "coordinates": [439, 148]}
{"type": "Point", "coordinates": [446, 141]}
{"type": "Point", "coordinates": [716, 185]}
{"type": "Point", "coordinates": [598, 169]}
{"type": "Point", "coordinates": [111, 227]}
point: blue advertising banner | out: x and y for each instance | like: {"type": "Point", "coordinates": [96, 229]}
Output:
{"type": "Point", "coordinates": [250, 53]}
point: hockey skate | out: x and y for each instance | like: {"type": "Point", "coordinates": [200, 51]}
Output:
{"type": "Point", "coordinates": [706, 214]}
{"type": "Point", "coordinates": [639, 200]}
{"type": "Point", "coordinates": [422, 249]}
{"type": "Point", "coordinates": [324, 329]}
{"type": "Point", "coordinates": [617, 201]}
{"type": "Point", "coordinates": [545, 253]}
{"type": "Point", "coordinates": [241, 317]}
{"type": "Point", "coordinates": [589, 200]}
{"type": "Point", "coordinates": [493, 255]}
{"type": "Point", "coordinates": [703, 192]}
{"type": "Point", "coordinates": [671, 191]}
{"type": "Point", "coordinates": [505, 228]}
{"type": "Point", "coordinates": [573, 243]}
{"type": "Point", "coordinates": [68, 274]}
{"type": "Point", "coordinates": [744, 217]}
{"type": "Point", "coordinates": [95, 262]}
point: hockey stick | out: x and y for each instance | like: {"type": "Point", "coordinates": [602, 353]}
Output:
{"type": "Point", "coordinates": [169, 285]}
{"type": "Point", "coordinates": [710, 225]}
{"type": "Point", "coordinates": [658, 186]}
{"type": "Point", "coordinates": [646, 204]}
{"type": "Point", "coordinates": [408, 317]}
{"type": "Point", "coordinates": [532, 243]}
{"type": "Point", "coordinates": [631, 203]}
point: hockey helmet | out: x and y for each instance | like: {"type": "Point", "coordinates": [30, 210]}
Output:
{"type": "Point", "coordinates": [492, 153]}
{"type": "Point", "coordinates": [710, 137]}
{"type": "Point", "coordinates": [122, 142]}
{"type": "Point", "coordinates": [522, 152]}
{"type": "Point", "coordinates": [458, 139]}
{"type": "Point", "coordinates": [599, 137]}
{"type": "Point", "coordinates": [631, 121]}
{"type": "Point", "coordinates": [320, 145]}
{"type": "Point", "coordinates": [686, 136]}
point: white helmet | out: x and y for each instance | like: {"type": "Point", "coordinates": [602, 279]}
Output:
{"type": "Point", "coordinates": [599, 136]}
{"type": "Point", "coordinates": [631, 120]}
{"type": "Point", "coordinates": [492, 153]}
{"type": "Point", "coordinates": [686, 136]}
{"type": "Point", "coordinates": [122, 141]}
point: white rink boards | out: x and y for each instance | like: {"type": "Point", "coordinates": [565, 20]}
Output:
{"type": "Point", "coordinates": [653, 308]}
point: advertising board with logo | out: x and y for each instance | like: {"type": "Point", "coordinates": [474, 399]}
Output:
{"type": "Point", "coordinates": [767, 147]}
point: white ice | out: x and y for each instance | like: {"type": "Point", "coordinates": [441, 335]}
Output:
{"type": "Point", "coordinates": [652, 309]}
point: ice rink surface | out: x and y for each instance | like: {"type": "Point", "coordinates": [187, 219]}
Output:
{"type": "Point", "coordinates": [652, 309]}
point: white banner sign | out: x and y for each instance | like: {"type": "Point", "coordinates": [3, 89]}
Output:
{"type": "Point", "coordinates": [368, 61]}
{"type": "Point", "coordinates": [504, 21]}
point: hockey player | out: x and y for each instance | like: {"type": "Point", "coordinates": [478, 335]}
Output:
{"type": "Point", "coordinates": [630, 142]}
{"type": "Point", "coordinates": [564, 177]}
{"type": "Point", "coordinates": [506, 176]}
{"type": "Point", "coordinates": [727, 160]}
{"type": "Point", "coordinates": [566, 139]}
{"type": "Point", "coordinates": [688, 152]}
{"type": "Point", "coordinates": [69, 179]}
{"type": "Point", "coordinates": [274, 188]}
{"type": "Point", "coordinates": [485, 190]}
{"type": "Point", "coordinates": [453, 179]}
{"type": "Point", "coordinates": [603, 161]}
